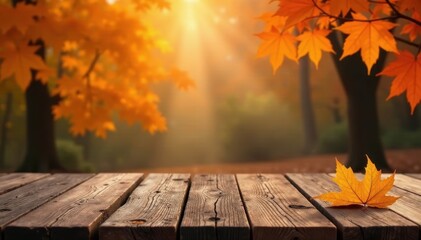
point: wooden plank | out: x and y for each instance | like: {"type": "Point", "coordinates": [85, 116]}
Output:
{"type": "Point", "coordinates": [278, 211]}
{"type": "Point", "coordinates": [20, 201]}
{"type": "Point", "coordinates": [152, 211]}
{"type": "Point", "coordinates": [355, 222]}
{"type": "Point", "coordinates": [12, 181]}
{"type": "Point", "coordinates": [77, 213]}
{"type": "Point", "coordinates": [408, 205]}
{"type": "Point", "coordinates": [407, 183]}
{"type": "Point", "coordinates": [214, 210]}
{"type": "Point", "coordinates": [414, 175]}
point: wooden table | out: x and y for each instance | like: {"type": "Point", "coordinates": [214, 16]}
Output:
{"type": "Point", "coordinates": [129, 206]}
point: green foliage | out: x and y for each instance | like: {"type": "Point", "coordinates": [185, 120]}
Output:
{"type": "Point", "coordinates": [401, 139]}
{"type": "Point", "coordinates": [258, 128]}
{"type": "Point", "coordinates": [71, 156]}
{"type": "Point", "coordinates": [334, 139]}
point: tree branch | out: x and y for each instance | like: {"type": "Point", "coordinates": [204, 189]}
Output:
{"type": "Point", "coordinates": [92, 65]}
{"type": "Point", "coordinates": [400, 15]}
{"type": "Point", "coordinates": [407, 42]}
{"type": "Point", "coordinates": [353, 19]}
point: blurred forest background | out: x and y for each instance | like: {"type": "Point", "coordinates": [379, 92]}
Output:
{"type": "Point", "coordinates": [239, 111]}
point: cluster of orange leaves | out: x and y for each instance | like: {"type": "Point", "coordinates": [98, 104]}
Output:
{"type": "Point", "coordinates": [101, 59]}
{"type": "Point", "coordinates": [370, 192]}
{"type": "Point", "coordinates": [301, 27]}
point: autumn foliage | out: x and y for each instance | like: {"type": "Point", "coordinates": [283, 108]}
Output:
{"type": "Point", "coordinates": [370, 192]}
{"type": "Point", "coordinates": [302, 27]}
{"type": "Point", "coordinates": [101, 58]}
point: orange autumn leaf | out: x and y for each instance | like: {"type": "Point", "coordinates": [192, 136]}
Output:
{"type": "Point", "coordinates": [406, 69]}
{"type": "Point", "coordinates": [412, 29]}
{"type": "Point", "coordinates": [344, 6]}
{"type": "Point", "coordinates": [277, 45]}
{"type": "Point", "coordinates": [18, 60]}
{"type": "Point", "coordinates": [297, 11]}
{"type": "Point", "coordinates": [313, 43]}
{"type": "Point", "coordinates": [370, 192]}
{"type": "Point", "coordinates": [367, 37]}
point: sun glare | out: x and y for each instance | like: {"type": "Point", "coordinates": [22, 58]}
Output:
{"type": "Point", "coordinates": [191, 1]}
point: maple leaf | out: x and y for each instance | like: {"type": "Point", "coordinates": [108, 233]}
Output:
{"type": "Point", "coordinates": [21, 16]}
{"type": "Point", "coordinates": [406, 69]}
{"type": "Point", "coordinates": [18, 60]}
{"type": "Point", "coordinates": [297, 11]}
{"type": "Point", "coordinates": [313, 43]}
{"type": "Point", "coordinates": [412, 29]}
{"type": "Point", "coordinates": [277, 45]}
{"type": "Point", "coordinates": [410, 5]}
{"type": "Point", "coordinates": [369, 37]}
{"type": "Point", "coordinates": [370, 192]}
{"type": "Point", "coordinates": [344, 6]}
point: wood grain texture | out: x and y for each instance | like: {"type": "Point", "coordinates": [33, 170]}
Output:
{"type": "Point", "coordinates": [152, 212]}
{"type": "Point", "coordinates": [77, 213]}
{"type": "Point", "coordinates": [355, 222]}
{"type": "Point", "coordinates": [408, 205]}
{"type": "Point", "coordinates": [406, 182]}
{"type": "Point", "coordinates": [414, 175]}
{"type": "Point", "coordinates": [12, 181]}
{"type": "Point", "coordinates": [278, 211]}
{"type": "Point", "coordinates": [20, 201]}
{"type": "Point", "coordinates": [214, 210]}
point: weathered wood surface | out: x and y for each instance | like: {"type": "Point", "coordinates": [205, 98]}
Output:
{"type": "Point", "coordinates": [152, 212]}
{"type": "Point", "coordinates": [77, 213]}
{"type": "Point", "coordinates": [12, 181]}
{"type": "Point", "coordinates": [407, 183]}
{"type": "Point", "coordinates": [355, 222]}
{"type": "Point", "coordinates": [278, 211]}
{"type": "Point", "coordinates": [22, 200]}
{"type": "Point", "coordinates": [214, 210]}
{"type": "Point", "coordinates": [414, 175]}
{"type": "Point", "coordinates": [212, 207]}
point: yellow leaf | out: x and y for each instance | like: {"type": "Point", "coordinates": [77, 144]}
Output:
{"type": "Point", "coordinates": [368, 37]}
{"type": "Point", "coordinates": [277, 45]}
{"type": "Point", "coordinates": [18, 60]}
{"type": "Point", "coordinates": [370, 192]}
{"type": "Point", "coordinates": [313, 43]}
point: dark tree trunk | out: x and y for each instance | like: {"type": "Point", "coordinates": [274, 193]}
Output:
{"type": "Point", "coordinates": [361, 89]}
{"type": "Point", "coordinates": [41, 153]}
{"type": "Point", "coordinates": [4, 128]}
{"type": "Point", "coordinates": [310, 132]}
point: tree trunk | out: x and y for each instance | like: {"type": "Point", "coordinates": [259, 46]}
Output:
{"type": "Point", "coordinates": [310, 133]}
{"type": "Point", "coordinates": [4, 128]}
{"type": "Point", "coordinates": [363, 121]}
{"type": "Point", "coordinates": [41, 152]}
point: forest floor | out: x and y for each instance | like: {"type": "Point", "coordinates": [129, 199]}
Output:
{"type": "Point", "coordinates": [404, 161]}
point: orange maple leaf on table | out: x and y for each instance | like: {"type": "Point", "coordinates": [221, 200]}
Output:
{"type": "Point", "coordinates": [277, 45]}
{"type": "Point", "coordinates": [370, 192]}
{"type": "Point", "coordinates": [313, 43]}
{"type": "Point", "coordinates": [369, 37]}
{"type": "Point", "coordinates": [406, 69]}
